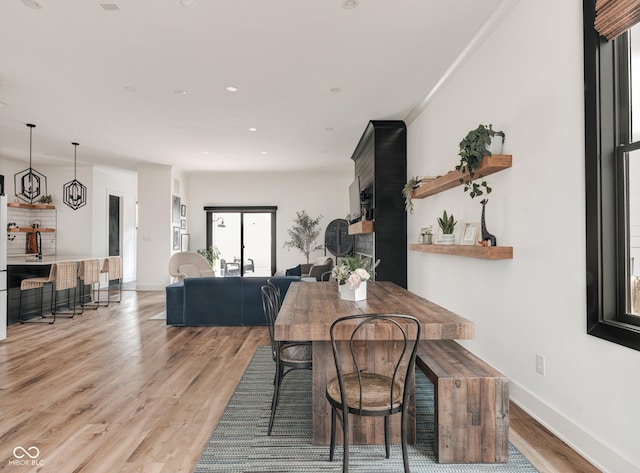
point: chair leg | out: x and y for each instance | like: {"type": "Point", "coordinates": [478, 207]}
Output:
{"type": "Point", "coordinates": [332, 447]}
{"type": "Point", "coordinates": [67, 314]}
{"type": "Point", "coordinates": [28, 321]}
{"type": "Point", "coordinates": [403, 438]}
{"type": "Point", "coordinates": [276, 395]}
{"type": "Point", "coordinates": [386, 436]}
{"type": "Point", "coordinates": [345, 440]}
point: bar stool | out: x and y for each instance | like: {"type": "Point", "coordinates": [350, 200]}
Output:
{"type": "Point", "coordinates": [62, 276]}
{"type": "Point", "coordinates": [112, 266]}
{"type": "Point", "coordinates": [89, 275]}
{"type": "Point", "coordinates": [37, 283]}
{"type": "Point", "coordinates": [65, 279]}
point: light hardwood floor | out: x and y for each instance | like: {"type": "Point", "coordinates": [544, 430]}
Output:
{"type": "Point", "coordinates": [111, 391]}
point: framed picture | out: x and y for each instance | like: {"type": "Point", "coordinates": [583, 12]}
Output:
{"type": "Point", "coordinates": [183, 210]}
{"type": "Point", "coordinates": [183, 223]}
{"type": "Point", "coordinates": [470, 234]}
{"type": "Point", "coordinates": [175, 209]}
{"type": "Point", "coordinates": [184, 242]}
{"type": "Point", "coordinates": [176, 238]}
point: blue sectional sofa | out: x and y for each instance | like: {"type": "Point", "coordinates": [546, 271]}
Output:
{"type": "Point", "coordinates": [220, 301]}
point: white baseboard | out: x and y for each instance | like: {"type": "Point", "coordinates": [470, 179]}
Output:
{"type": "Point", "coordinates": [150, 287]}
{"type": "Point", "coordinates": [591, 448]}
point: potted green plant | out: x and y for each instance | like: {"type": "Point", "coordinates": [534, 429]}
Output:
{"type": "Point", "coordinates": [407, 192]}
{"type": "Point", "coordinates": [46, 199]}
{"type": "Point", "coordinates": [447, 223]}
{"type": "Point", "coordinates": [211, 254]}
{"type": "Point", "coordinates": [303, 234]}
{"type": "Point", "coordinates": [473, 148]}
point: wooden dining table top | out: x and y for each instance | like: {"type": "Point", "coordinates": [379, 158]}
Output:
{"type": "Point", "coordinates": [309, 309]}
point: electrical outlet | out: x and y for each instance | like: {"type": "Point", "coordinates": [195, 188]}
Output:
{"type": "Point", "coordinates": [540, 364]}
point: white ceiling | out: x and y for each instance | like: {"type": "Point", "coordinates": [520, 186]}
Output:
{"type": "Point", "coordinates": [309, 73]}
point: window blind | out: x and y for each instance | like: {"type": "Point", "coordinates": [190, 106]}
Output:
{"type": "Point", "coordinates": [614, 17]}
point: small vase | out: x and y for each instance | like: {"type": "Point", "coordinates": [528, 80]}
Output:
{"type": "Point", "coordinates": [447, 239]}
{"type": "Point", "coordinates": [496, 144]}
{"type": "Point", "coordinates": [348, 294]}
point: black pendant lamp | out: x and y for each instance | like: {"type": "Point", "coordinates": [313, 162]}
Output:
{"type": "Point", "coordinates": [29, 183]}
{"type": "Point", "coordinates": [74, 192]}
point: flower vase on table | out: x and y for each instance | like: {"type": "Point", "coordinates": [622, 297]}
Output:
{"type": "Point", "coordinates": [349, 293]}
{"type": "Point", "coordinates": [352, 275]}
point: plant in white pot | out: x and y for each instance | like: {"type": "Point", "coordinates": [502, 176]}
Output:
{"type": "Point", "coordinates": [447, 224]}
{"type": "Point", "coordinates": [303, 234]}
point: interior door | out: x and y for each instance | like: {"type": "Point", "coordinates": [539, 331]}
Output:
{"type": "Point", "coordinates": [114, 225]}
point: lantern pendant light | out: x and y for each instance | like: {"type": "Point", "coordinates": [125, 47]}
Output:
{"type": "Point", "coordinates": [74, 192]}
{"type": "Point", "coordinates": [29, 183]}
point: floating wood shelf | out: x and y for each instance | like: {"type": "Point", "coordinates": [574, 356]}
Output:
{"type": "Point", "coordinates": [363, 226]}
{"type": "Point", "coordinates": [472, 251]}
{"type": "Point", "coordinates": [488, 165]}
{"type": "Point", "coordinates": [30, 230]}
{"type": "Point", "coordinates": [31, 206]}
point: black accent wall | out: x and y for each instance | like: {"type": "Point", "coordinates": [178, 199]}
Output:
{"type": "Point", "coordinates": [380, 160]}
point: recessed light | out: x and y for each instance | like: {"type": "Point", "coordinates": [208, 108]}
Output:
{"type": "Point", "coordinates": [180, 92]}
{"type": "Point", "coordinates": [232, 89]}
{"type": "Point", "coordinates": [264, 152]}
{"type": "Point", "coordinates": [108, 6]}
{"type": "Point", "coordinates": [335, 90]}
{"type": "Point", "coordinates": [130, 89]}
{"type": "Point", "coordinates": [350, 4]}
{"type": "Point", "coordinates": [189, 3]}
{"type": "Point", "coordinates": [32, 4]}
{"type": "Point", "coordinates": [253, 129]}
{"type": "Point", "coordinates": [206, 152]}
{"type": "Point", "coordinates": [328, 129]}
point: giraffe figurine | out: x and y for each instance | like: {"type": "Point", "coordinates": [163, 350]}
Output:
{"type": "Point", "coordinates": [487, 238]}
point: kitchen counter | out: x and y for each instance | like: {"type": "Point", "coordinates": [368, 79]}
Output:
{"type": "Point", "coordinates": [29, 266]}
{"type": "Point", "coordinates": [46, 259]}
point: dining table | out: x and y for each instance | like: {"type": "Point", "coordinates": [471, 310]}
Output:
{"type": "Point", "coordinates": [307, 312]}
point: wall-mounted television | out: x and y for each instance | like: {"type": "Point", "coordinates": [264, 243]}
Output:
{"type": "Point", "coordinates": [355, 206]}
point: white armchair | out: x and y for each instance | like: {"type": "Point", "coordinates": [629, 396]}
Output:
{"type": "Point", "coordinates": [189, 264]}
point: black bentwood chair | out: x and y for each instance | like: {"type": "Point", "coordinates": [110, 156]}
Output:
{"type": "Point", "coordinates": [288, 356]}
{"type": "Point", "coordinates": [365, 390]}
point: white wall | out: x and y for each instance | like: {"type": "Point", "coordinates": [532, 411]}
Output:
{"type": "Point", "coordinates": [122, 183]}
{"type": "Point", "coordinates": [319, 193]}
{"type": "Point", "coordinates": [527, 79]}
{"type": "Point", "coordinates": [154, 226]}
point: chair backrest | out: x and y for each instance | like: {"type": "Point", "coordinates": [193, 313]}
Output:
{"type": "Point", "coordinates": [65, 275]}
{"type": "Point", "coordinates": [326, 276]}
{"type": "Point", "coordinates": [189, 264]}
{"type": "Point", "coordinates": [89, 271]}
{"type": "Point", "coordinates": [269, 306]}
{"type": "Point", "coordinates": [351, 338]}
{"type": "Point", "coordinates": [113, 267]}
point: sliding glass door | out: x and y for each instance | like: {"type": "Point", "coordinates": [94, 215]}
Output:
{"type": "Point", "coordinates": [245, 237]}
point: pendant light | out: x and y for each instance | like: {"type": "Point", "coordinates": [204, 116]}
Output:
{"type": "Point", "coordinates": [29, 183]}
{"type": "Point", "coordinates": [74, 192]}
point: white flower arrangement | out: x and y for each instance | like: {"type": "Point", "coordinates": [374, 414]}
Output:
{"type": "Point", "coordinates": [353, 271]}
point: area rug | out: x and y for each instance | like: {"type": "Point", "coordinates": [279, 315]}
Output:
{"type": "Point", "coordinates": [160, 316]}
{"type": "Point", "coordinates": [240, 443]}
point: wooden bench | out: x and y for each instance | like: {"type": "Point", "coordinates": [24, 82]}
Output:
{"type": "Point", "coordinates": [471, 404]}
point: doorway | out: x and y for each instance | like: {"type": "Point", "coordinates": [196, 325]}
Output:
{"type": "Point", "coordinates": [114, 225]}
{"type": "Point", "coordinates": [245, 237]}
